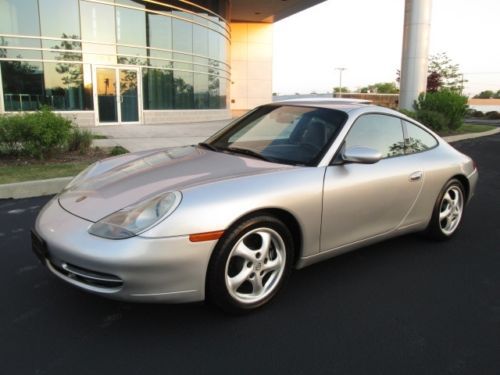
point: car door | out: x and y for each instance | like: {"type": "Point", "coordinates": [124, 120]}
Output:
{"type": "Point", "coordinates": [365, 200]}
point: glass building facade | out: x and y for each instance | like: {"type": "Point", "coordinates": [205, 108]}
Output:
{"type": "Point", "coordinates": [116, 58]}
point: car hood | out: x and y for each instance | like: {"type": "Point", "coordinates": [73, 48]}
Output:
{"type": "Point", "coordinates": [148, 175]}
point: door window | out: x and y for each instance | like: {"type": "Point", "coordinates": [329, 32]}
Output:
{"type": "Point", "coordinates": [380, 132]}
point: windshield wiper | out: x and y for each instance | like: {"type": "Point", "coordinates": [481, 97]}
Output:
{"type": "Point", "coordinates": [248, 152]}
{"type": "Point", "coordinates": [209, 146]}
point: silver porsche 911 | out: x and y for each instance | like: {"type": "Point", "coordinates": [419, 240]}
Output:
{"type": "Point", "coordinates": [285, 186]}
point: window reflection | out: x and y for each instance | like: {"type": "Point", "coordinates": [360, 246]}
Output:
{"type": "Point", "coordinates": [183, 85]}
{"type": "Point", "coordinates": [379, 132]}
{"type": "Point", "coordinates": [59, 19]}
{"type": "Point", "coordinates": [22, 85]}
{"type": "Point", "coordinates": [158, 89]}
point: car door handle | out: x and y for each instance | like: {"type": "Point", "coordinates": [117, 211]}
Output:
{"type": "Point", "coordinates": [415, 176]}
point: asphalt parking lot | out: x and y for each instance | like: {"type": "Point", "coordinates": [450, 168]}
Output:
{"type": "Point", "coordinates": [406, 306]}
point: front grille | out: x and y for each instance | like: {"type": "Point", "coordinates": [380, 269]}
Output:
{"type": "Point", "coordinates": [92, 278]}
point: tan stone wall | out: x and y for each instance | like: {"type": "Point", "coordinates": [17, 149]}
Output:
{"type": "Point", "coordinates": [251, 65]}
{"type": "Point", "coordinates": [474, 101]}
{"type": "Point", "coordinates": [385, 100]}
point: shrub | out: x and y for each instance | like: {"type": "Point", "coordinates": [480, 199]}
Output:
{"type": "Point", "coordinates": [471, 112]}
{"type": "Point", "coordinates": [36, 134]}
{"type": "Point", "coordinates": [492, 115]}
{"type": "Point", "coordinates": [407, 112]}
{"type": "Point", "coordinates": [434, 120]}
{"type": "Point", "coordinates": [118, 150]}
{"type": "Point", "coordinates": [13, 134]}
{"type": "Point", "coordinates": [451, 105]}
{"type": "Point", "coordinates": [80, 140]}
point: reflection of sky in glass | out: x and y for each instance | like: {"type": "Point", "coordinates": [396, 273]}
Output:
{"type": "Point", "coordinates": [98, 22]}
{"type": "Point", "coordinates": [59, 17]}
{"type": "Point", "coordinates": [135, 35]}
{"type": "Point", "coordinates": [19, 17]}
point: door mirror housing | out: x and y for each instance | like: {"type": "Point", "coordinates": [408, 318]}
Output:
{"type": "Point", "coordinates": [361, 155]}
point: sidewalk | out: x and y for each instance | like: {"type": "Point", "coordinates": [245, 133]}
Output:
{"type": "Point", "coordinates": [144, 137]}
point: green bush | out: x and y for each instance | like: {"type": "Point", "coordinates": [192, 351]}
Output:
{"type": "Point", "coordinates": [118, 150]}
{"type": "Point", "coordinates": [432, 119]}
{"type": "Point", "coordinates": [37, 134]}
{"type": "Point", "coordinates": [407, 112]}
{"type": "Point", "coordinates": [471, 112]}
{"type": "Point", "coordinates": [13, 133]}
{"type": "Point", "coordinates": [80, 140]}
{"type": "Point", "coordinates": [451, 105]}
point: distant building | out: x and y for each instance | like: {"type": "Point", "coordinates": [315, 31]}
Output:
{"type": "Point", "coordinates": [144, 62]}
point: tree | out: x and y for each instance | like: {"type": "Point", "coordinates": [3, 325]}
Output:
{"type": "Point", "coordinates": [485, 95]}
{"type": "Point", "coordinates": [497, 95]}
{"type": "Point", "coordinates": [434, 82]}
{"type": "Point", "coordinates": [449, 72]}
{"type": "Point", "coordinates": [337, 89]}
{"type": "Point", "coordinates": [381, 88]}
{"type": "Point", "coordinates": [442, 73]}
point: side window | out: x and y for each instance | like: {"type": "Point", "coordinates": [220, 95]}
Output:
{"type": "Point", "coordinates": [380, 132]}
{"type": "Point", "coordinates": [417, 139]}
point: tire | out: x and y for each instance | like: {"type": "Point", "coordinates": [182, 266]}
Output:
{"type": "Point", "coordinates": [250, 264]}
{"type": "Point", "coordinates": [448, 211]}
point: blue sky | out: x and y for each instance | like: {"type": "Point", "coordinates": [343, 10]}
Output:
{"type": "Point", "coordinates": [365, 36]}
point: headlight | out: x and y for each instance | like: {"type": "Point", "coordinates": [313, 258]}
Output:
{"type": "Point", "coordinates": [134, 220]}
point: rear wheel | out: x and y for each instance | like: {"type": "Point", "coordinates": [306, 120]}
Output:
{"type": "Point", "coordinates": [448, 211]}
{"type": "Point", "coordinates": [250, 264]}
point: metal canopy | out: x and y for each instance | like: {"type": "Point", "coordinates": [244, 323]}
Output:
{"type": "Point", "coordinates": [268, 11]}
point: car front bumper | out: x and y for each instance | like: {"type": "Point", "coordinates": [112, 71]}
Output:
{"type": "Point", "coordinates": [171, 269]}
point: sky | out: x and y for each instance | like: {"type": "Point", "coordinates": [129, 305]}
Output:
{"type": "Point", "coordinates": [365, 37]}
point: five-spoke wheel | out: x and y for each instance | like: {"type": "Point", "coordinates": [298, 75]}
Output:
{"type": "Point", "coordinates": [448, 211]}
{"type": "Point", "coordinates": [250, 264]}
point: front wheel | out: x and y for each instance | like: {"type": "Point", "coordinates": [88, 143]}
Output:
{"type": "Point", "coordinates": [448, 211]}
{"type": "Point", "coordinates": [250, 264]}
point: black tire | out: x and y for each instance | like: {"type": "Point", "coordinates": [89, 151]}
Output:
{"type": "Point", "coordinates": [435, 228]}
{"type": "Point", "coordinates": [218, 290]}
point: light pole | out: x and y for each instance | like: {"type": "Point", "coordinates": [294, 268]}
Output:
{"type": "Point", "coordinates": [340, 80]}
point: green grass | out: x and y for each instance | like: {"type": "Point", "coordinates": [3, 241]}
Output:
{"type": "Point", "coordinates": [99, 136]}
{"type": "Point", "coordinates": [11, 174]}
{"type": "Point", "coordinates": [469, 128]}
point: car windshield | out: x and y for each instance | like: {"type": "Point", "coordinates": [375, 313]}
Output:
{"type": "Point", "coordinates": [282, 134]}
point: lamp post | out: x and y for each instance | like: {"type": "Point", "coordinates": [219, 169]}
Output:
{"type": "Point", "coordinates": [340, 80]}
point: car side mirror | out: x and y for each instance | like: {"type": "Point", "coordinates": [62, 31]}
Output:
{"type": "Point", "coordinates": [362, 155]}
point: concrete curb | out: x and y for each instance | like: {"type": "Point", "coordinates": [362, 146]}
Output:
{"type": "Point", "coordinates": [40, 188]}
{"type": "Point", "coordinates": [30, 189]}
{"type": "Point", "coordinates": [461, 137]}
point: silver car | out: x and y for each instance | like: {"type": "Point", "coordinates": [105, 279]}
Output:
{"type": "Point", "coordinates": [287, 185]}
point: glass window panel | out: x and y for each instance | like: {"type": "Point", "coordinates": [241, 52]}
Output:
{"type": "Point", "coordinates": [13, 53]}
{"type": "Point", "coordinates": [130, 26]}
{"type": "Point", "coordinates": [223, 93]}
{"type": "Point", "coordinates": [418, 139]}
{"type": "Point", "coordinates": [19, 17]}
{"type": "Point", "coordinates": [380, 132]}
{"type": "Point", "coordinates": [60, 19]}
{"type": "Point", "coordinates": [214, 91]}
{"type": "Point", "coordinates": [158, 89]}
{"type": "Point", "coordinates": [201, 95]}
{"type": "Point", "coordinates": [19, 42]}
{"type": "Point", "coordinates": [182, 36]}
{"type": "Point", "coordinates": [213, 45]}
{"type": "Point", "coordinates": [98, 25]}
{"type": "Point", "coordinates": [132, 3]}
{"type": "Point", "coordinates": [183, 66]}
{"type": "Point", "coordinates": [200, 40]}
{"type": "Point", "coordinates": [161, 63]}
{"type": "Point", "coordinates": [22, 85]}
{"type": "Point", "coordinates": [106, 95]}
{"type": "Point", "coordinates": [98, 22]}
{"type": "Point", "coordinates": [64, 88]}
{"type": "Point", "coordinates": [183, 83]}
{"type": "Point", "coordinates": [133, 56]}
{"type": "Point", "coordinates": [159, 31]}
